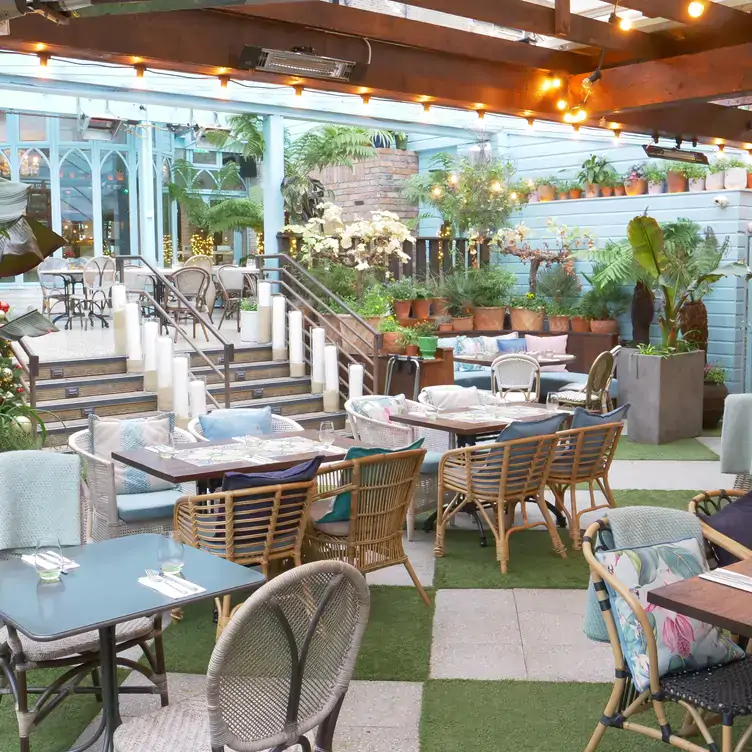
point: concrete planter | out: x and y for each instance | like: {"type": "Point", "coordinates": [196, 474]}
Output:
{"type": "Point", "coordinates": [249, 326]}
{"type": "Point", "coordinates": [696, 185]}
{"type": "Point", "coordinates": [666, 395]}
{"type": "Point", "coordinates": [714, 181]}
{"type": "Point", "coordinates": [735, 179]}
{"type": "Point", "coordinates": [655, 188]}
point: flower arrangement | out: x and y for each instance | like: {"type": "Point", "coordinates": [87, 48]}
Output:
{"type": "Point", "coordinates": [528, 301]}
{"type": "Point", "coordinates": [715, 374]}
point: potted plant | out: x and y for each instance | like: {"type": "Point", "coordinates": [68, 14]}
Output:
{"type": "Point", "coordinates": [527, 313]}
{"type": "Point", "coordinates": [248, 320]}
{"type": "Point", "coordinates": [459, 294]}
{"type": "Point", "coordinates": [677, 177]}
{"type": "Point", "coordinates": [714, 178]}
{"type": "Point", "coordinates": [619, 189]}
{"type": "Point", "coordinates": [594, 169]}
{"type": "Point", "coordinates": [655, 174]}
{"type": "Point", "coordinates": [559, 287]}
{"type": "Point", "coordinates": [408, 338]}
{"type": "Point", "coordinates": [402, 292]}
{"type": "Point", "coordinates": [696, 174]}
{"type": "Point", "coordinates": [490, 287]}
{"type": "Point", "coordinates": [580, 319]}
{"type": "Point", "coordinates": [391, 330]}
{"type": "Point", "coordinates": [735, 176]}
{"type": "Point", "coordinates": [749, 176]}
{"type": "Point", "coordinates": [603, 302]}
{"type": "Point", "coordinates": [444, 323]}
{"type": "Point", "coordinates": [438, 301]}
{"type": "Point", "coordinates": [547, 188]}
{"type": "Point", "coordinates": [714, 393]}
{"type": "Point", "coordinates": [427, 339]}
{"type": "Point", "coordinates": [422, 297]}
{"type": "Point", "coordinates": [575, 189]}
{"type": "Point", "coordinates": [562, 190]}
{"type": "Point", "coordinates": [610, 182]}
{"type": "Point", "coordinates": [558, 317]}
{"type": "Point", "coordinates": [635, 183]}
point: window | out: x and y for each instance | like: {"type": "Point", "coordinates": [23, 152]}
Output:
{"type": "Point", "coordinates": [34, 169]}
{"type": "Point", "coordinates": [69, 130]}
{"type": "Point", "coordinates": [3, 127]}
{"type": "Point", "coordinates": [76, 206]}
{"type": "Point", "coordinates": [116, 228]}
{"type": "Point", "coordinates": [204, 157]}
{"type": "Point", "coordinates": [204, 181]}
{"type": "Point", "coordinates": [32, 127]}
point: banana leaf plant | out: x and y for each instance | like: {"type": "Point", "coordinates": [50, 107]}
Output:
{"type": "Point", "coordinates": [666, 274]}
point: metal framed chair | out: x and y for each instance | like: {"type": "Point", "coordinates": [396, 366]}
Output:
{"type": "Point", "coordinates": [231, 281]}
{"type": "Point", "coordinates": [708, 503]}
{"type": "Point", "coordinates": [192, 282]}
{"type": "Point", "coordinates": [496, 477]}
{"type": "Point", "coordinates": [516, 377]}
{"type": "Point", "coordinates": [578, 387]}
{"type": "Point", "coordinates": [583, 455]}
{"type": "Point", "coordinates": [100, 274]}
{"type": "Point", "coordinates": [381, 489]}
{"type": "Point", "coordinates": [281, 669]}
{"type": "Point", "coordinates": [210, 294]}
{"type": "Point", "coordinates": [53, 287]}
{"type": "Point", "coordinates": [595, 394]}
{"type": "Point", "coordinates": [280, 424]}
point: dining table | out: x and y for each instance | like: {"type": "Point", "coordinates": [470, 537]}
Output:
{"type": "Point", "coordinates": [544, 359]}
{"type": "Point", "coordinates": [104, 591]}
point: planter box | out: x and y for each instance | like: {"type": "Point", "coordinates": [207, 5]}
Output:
{"type": "Point", "coordinates": [249, 326]}
{"type": "Point", "coordinates": [714, 181]}
{"type": "Point", "coordinates": [666, 395]}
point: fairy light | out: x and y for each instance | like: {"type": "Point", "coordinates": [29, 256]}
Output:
{"type": "Point", "coordinates": [299, 89]}
{"type": "Point", "coordinates": [696, 8]}
{"type": "Point", "coordinates": [223, 81]}
{"type": "Point", "coordinates": [530, 123]}
{"type": "Point", "coordinates": [496, 187]}
{"type": "Point", "coordinates": [426, 107]}
{"type": "Point", "coordinates": [436, 191]}
{"type": "Point", "coordinates": [617, 136]}
{"type": "Point", "coordinates": [453, 179]}
{"type": "Point", "coordinates": [625, 24]}
{"type": "Point", "coordinates": [139, 69]}
{"type": "Point", "coordinates": [43, 58]}
{"type": "Point", "coordinates": [513, 195]}
{"type": "Point", "coordinates": [721, 146]}
{"type": "Point", "coordinates": [562, 104]}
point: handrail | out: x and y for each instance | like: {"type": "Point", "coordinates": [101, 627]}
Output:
{"type": "Point", "coordinates": [31, 369]}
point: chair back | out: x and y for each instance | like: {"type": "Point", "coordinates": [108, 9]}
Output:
{"type": "Point", "coordinates": [516, 372]}
{"type": "Point", "coordinates": [207, 264]}
{"type": "Point", "coordinates": [230, 278]}
{"type": "Point", "coordinates": [100, 273]}
{"type": "Point", "coordinates": [280, 424]}
{"type": "Point", "coordinates": [285, 660]}
{"type": "Point", "coordinates": [191, 281]}
{"type": "Point", "coordinates": [599, 378]}
{"type": "Point", "coordinates": [707, 504]}
{"type": "Point", "coordinates": [585, 453]}
{"type": "Point", "coordinates": [49, 282]}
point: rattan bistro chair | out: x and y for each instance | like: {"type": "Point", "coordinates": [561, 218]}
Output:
{"type": "Point", "coordinates": [583, 455]}
{"type": "Point", "coordinates": [707, 695]}
{"type": "Point", "coordinates": [257, 527]}
{"type": "Point", "coordinates": [381, 489]}
{"type": "Point", "coordinates": [595, 395]}
{"type": "Point", "coordinates": [496, 478]}
{"type": "Point", "coordinates": [192, 282]}
{"type": "Point", "coordinates": [231, 281]}
{"type": "Point", "coordinates": [516, 377]}
{"type": "Point", "coordinates": [280, 670]}
{"type": "Point", "coordinates": [708, 503]}
{"type": "Point", "coordinates": [280, 424]}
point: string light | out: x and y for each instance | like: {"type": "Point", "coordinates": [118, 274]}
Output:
{"type": "Point", "coordinates": [617, 136]}
{"type": "Point", "coordinates": [550, 83]}
{"type": "Point", "coordinates": [140, 69]}
{"type": "Point", "coordinates": [562, 104]}
{"type": "Point", "coordinates": [496, 187]}
{"type": "Point", "coordinates": [696, 8]}
{"type": "Point", "coordinates": [436, 191]}
{"type": "Point", "coordinates": [513, 195]}
{"type": "Point", "coordinates": [223, 81]}
{"type": "Point", "coordinates": [721, 147]}
{"type": "Point", "coordinates": [625, 24]}
{"type": "Point", "coordinates": [453, 179]}
{"type": "Point", "coordinates": [426, 107]}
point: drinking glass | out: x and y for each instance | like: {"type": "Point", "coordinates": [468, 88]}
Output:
{"type": "Point", "coordinates": [167, 451]}
{"type": "Point", "coordinates": [326, 433]}
{"type": "Point", "coordinates": [170, 554]}
{"type": "Point", "coordinates": [552, 403]}
{"type": "Point", "coordinates": [48, 559]}
{"type": "Point", "coordinates": [252, 439]}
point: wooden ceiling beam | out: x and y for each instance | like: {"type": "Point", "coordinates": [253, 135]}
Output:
{"type": "Point", "coordinates": [562, 19]}
{"type": "Point", "coordinates": [715, 15]}
{"type": "Point", "coordinates": [395, 30]}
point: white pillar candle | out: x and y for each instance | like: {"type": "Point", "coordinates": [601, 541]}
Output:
{"type": "Point", "coordinates": [318, 342]}
{"type": "Point", "coordinates": [279, 310]}
{"type": "Point", "coordinates": [197, 390]}
{"type": "Point", "coordinates": [295, 343]}
{"type": "Point", "coordinates": [133, 338]}
{"type": "Point", "coordinates": [331, 379]}
{"type": "Point", "coordinates": [355, 381]}
{"type": "Point", "coordinates": [150, 331]}
{"type": "Point", "coordinates": [264, 312]}
{"type": "Point", "coordinates": [119, 299]}
{"type": "Point", "coordinates": [180, 391]}
{"type": "Point", "coordinates": [164, 373]}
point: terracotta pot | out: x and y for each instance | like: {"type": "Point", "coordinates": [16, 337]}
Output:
{"type": "Point", "coordinates": [546, 193]}
{"type": "Point", "coordinates": [677, 183]}
{"type": "Point", "coordinates": [575, 193]}
{"type": "Point", "coordinates": [438, 306]}
{"type": "Point", "coordinates": [391, 343]}
{"type": "Point", "coordinates": [412, 350]}
{"type": "Point", "coordinates": [558, 324]}
{"type": "Point", "coordinates": [714, 181]}
{"type": "Point", "coordinates": [604, 327]}
{"type": "Point", "coordinates": [636, 187]}
{"type": "Point", "coordinates": [655, 188]}
{"type": "Point", "coordinates": [713, 400]}
{"type": "Point", "coordinates": [592, 190]}
{"type": "Point", "coordinates": [606, 191]}
{"type": "Point", "coordinates": [526, 321]}
{"type": "Point", "coordinates": [445, 327]}
{"type": "Point", "coordinates": [489, 318]}
{"type": "Point", "coordinates": [696, 185]}
{"type": "Point", "coordinates": [562, 195]}
{"type": "Point", "coordinates": [401, 309]}
{"type": "Point", "coordinates": [749, 180]}
{"type": "Point", "coordinates": [735, 178]}
{"type": "Point", "coordinates": [580, 325]}
{"type": "Point", "coordinates": [462, 324]}
{"type": "Point", "coordinates": [422, 308]}
{"type": "Point", "coordinates": [619, 190]}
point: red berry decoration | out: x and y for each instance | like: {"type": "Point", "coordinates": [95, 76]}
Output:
{"type": "Point", "coordinates": [4, 307]}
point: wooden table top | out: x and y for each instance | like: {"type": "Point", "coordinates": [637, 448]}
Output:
{"type": "Point", "coordinates": [446, 420]}
{"type": "Point", "coordinates": [710, 602]}
{"type": "Point", "coordinates": [179, 471]}
{"type": "Point", "coordinates": [485, 359]}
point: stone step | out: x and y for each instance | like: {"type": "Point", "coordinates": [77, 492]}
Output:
{"type": "Point", "coordinates": [88, 386]}
{"type": "Point", "coordinates": [264, 369]}
{"type": "Point", "coordinates": [260, 388]}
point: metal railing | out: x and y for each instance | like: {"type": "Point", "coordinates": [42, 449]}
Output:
{"type": "Point", "coordinates": [30, 368]}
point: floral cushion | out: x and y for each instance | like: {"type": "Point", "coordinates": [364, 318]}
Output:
{"type": "Point", "coordinates": [381, 407]}
{"type": "Point", "coordinates": [468, 346]}
{"type": "Point", "coordinates": [683, 643]}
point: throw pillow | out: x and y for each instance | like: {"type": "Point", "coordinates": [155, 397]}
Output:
{"type": "Point", "coordinates": [239, 421]}
{"type": "Point", "coordinates": [492, 343]}
{"type": "Point", "coordinates": [583, 418]}
{"type": "Point", "coordinates": [683, 643]}
{"type": "Point", "coordinates": [451, 397]}
{"type": "Point", "coordinates": [108, 435]}
{"type": "Point", "coordinates": [340, 510]}
{"type": "Point", "coordinates": [468, 346]}
{"type": "Point", "coordinates": [556, 345]}
{"type": "Point", "coordinates": [735, 521]}
{"type": "Point", "coordinates": [380, 407]}
{"type": "Point", "coordinates": [507, 346]}
{"type": "Point", "coordinates": [527, 429]}
{"type": "Point", "coordinates": [510, 335]}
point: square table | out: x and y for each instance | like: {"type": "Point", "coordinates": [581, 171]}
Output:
{"type": "Point", "coordinates": [104, 591]}
{"type": "Point", "coordinates": [486, 359]}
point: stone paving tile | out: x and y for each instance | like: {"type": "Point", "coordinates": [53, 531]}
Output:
{"type": "Point", "coordinates": [711, 442]}
{"type": "Point", "coordinates": [668, 475]}
{"type": "Point", "coordinates": [420, 553]}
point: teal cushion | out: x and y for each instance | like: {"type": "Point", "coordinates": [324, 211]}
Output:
{"type": "Point", "coordinates": [430, 464]}
{"type": "Point", "coordinates": [585, 419]}
{"type": "Point", "coordinates": [341, 508]}
{"type": "Point", "coordinates": [153, 505]}
{"type": "Point", "coordinates": [239, 421]}
{"type": "Point", "coordinates": [507, 346]}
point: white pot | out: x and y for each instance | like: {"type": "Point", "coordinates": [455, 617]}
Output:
{"type": "Point", "coordinates": [696, 185]}
{"type": "Point", "coordinates": [655, 188]}
{"type": "Point", "coordinates": [714, 181]}
{"type": "Point", "coordinates": [735, 179]}
{"type": "Point", "coordinates": [249, 326]}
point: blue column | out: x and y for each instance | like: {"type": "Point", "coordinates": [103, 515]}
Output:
{"type": "Point", "coordinates": [273, 173]}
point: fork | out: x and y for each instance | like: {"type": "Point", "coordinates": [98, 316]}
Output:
{"type": "Point", "coordinates": [153, 575]}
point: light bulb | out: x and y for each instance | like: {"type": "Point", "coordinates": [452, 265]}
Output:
{"type": "Point", "coordinates": [495, 186]}
{"type": "Point", "coordinates": [555, 83]}
{"type": "Point", "coordinates": [562, 104]}
{"type": "Point", "coordinates": [721, 148]}
{"type": "Point", "coordinates": [140, 69]}
{"type": "Point", "coordinates": [453, 179]}
{"type": "Point", "coordinates": [223, 81]}
{"type": "Point", "coordinates": [513, 195]}
{"type": "Point", "coordinates": [436, 191]}
{"type": "Point", "coordinates": [43, 59]}
{"type": "Point", "coordinates": [581, 115]}
{"type": "Point", "coordinates": [426, 107]}
{"type": "Point", "coordinates": [696, 8]}
{"type": "Point", "coordinates": [530, 123]}
{"type": "Point", "coordinates": [617, 136]}
{"type": "Point", "coordinates": [625, 24]}
{"type": "Point", "coordinates": [575, 131]}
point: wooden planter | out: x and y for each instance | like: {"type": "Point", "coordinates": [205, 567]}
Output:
{"type": "Point", "coordinates": [636, 187]}
{"type": "Point", "coordinates": [575, 193]}
{"type": "Point", "coordinates": [592, 190]}
{"type": "Point", "coordinates": [677, 183]}
{"type": "Point", "coordinates": [619, 190]}
{"type": "Point", "coordinates": [524, 320]}
{"type": "Point", "coordinates": [462, 323]}
{"type": "Point", "coordinates": [604, 327]}
{"type": "Point", "coordinates": [580, 324]}
{"type": "Point", "coordinates": [445, 327]}
{"type": "Point", "coordinates": [401, 309]}
{"type": "Point", "coordinates": [422, 308]}
{"type": "Point", "coordinates": [489, 318]}
{"type": "Point", "coordinates": [391, 343]}
{"type": "Point", "coordinates": [713, 401]}
{"type": "Point", "coordinates": [546, 193]}
{"type": "Point", "coordinates": [558, 324]}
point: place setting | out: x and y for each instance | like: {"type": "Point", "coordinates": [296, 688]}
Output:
{"type": "Point", "coordinates": [168, 579]}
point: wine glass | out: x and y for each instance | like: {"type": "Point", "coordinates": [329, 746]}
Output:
{"type": "Point", "coordinates": [48, 559]}
{"type": "Point", "coordinates": [167, 450]}
{"type": "Point", "coordinates": [326, 433]}
{"type": "Point", "coordinates": [170, 553]}
{"type": "Point", "coordinates": [552, 403]}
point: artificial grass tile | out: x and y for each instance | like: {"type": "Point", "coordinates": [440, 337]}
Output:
{"type": "Point", "coordinates": [683, 449]}
{"type": "Point", "coordinates": [531, 716]}
{"type": "Point", "coordinates": [532, 562]}
{"type": "Point", "coordinates": [643, 497]}
{"type": "Point", "coordinates": [396, 646]}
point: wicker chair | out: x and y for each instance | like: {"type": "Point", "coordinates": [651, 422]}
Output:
{"type": "Point", "coordinates": [704, 694]}
{"type": "Point", "coordinates": [100, 274]}
{"type": "Point", "coordinates": [193, 284]}
{"type": "Point", "coordinates": [252, 528]}
{"type": "Point", "coordinates": [396, 435]}
{"type": "Point", "coordinates": [258, 695]}
{"type": "Point", "coordinates": [210, 294]}
{"type": "Point", "coordinates": [496, 477]}
{"type": "Point", "coordinates": [584, 455]}
{"type": "Point", "coordinates": [708, 503]}
{"type": "Point", "coordinates": [579, 387]}
{"type": "Point", "coordinates": [100, 479]}
{"type": "Point", "coordinates": [44, 510]}
{"type": "Point", "coordinates": [381, 488]}
{"type": "Point", "coordinates": [595, 395]}
{"type": "Point", "coordinates": [516, 377]}
{"type": "Point", "coordinates": [53, 287]}
{"type": "Point", "coordinates": [280, 424]}
{"type": "Point", "coordinates": [231, 281]}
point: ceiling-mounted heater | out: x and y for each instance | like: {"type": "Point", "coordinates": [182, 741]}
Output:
{"type": "Point", "coordinates": [98, 129]}
{"type": "Point", "coordinates": [300, 62]}
{"type": "Point", "coordinates": [678, 155]}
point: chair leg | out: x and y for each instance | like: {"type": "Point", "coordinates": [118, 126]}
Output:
{"type": "Point", "coordinates": [325, 731]}
{"type": "Point", "coordinates": [414, 577]}
{"type": "Point", "coordinates": [611, 707]}
{"type": "Point", "coordinates": [411, 521]}
{"type": "Point", "coordinates": [224, 607]}
{"type": "Point", "coordinates": [22, 711]}
{"type": "Point", "coordinates": [559, 547]}
{"type": "Point", "coordinates": [164, 697]}
{"type": "Point", "coordinates": [574, 528]}
{"type": "Point", "coordinates": [97, 683]}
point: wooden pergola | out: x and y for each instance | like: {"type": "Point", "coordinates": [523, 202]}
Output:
{"type": "Point", "coordinates": [665, 80]}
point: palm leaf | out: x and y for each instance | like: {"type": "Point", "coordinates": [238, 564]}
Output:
{"type": "Point", "coordinates": [646, 238]}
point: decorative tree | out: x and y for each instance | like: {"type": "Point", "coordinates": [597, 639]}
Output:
{"type": "Point", "coordinates": [11, 387]}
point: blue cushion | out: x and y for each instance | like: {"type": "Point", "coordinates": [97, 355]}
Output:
{"type": "Point", "coordinates": [430, 464]}
{"type": "Point", "coordinates": [584, 418]}
{"type": "Point", "coordinates": [521, 429]}
{"type": "Point", "coordinates": [239, 421]}
{"type": "Point", "coordinates": [735, 521]}
{"type": "Point", "coordinates": [340, 511]}
{"type": "Point", "coordinates": [153, 505]}
{"type": "Point", "coordinates": [480, 379]}
{"type": "Point", "coordinates": [511, 345]}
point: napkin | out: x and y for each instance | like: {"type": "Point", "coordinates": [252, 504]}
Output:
{"type": "Point", "coordinates": [31, 559]}
{"type": "Point", "coordinates": [169, 590]}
